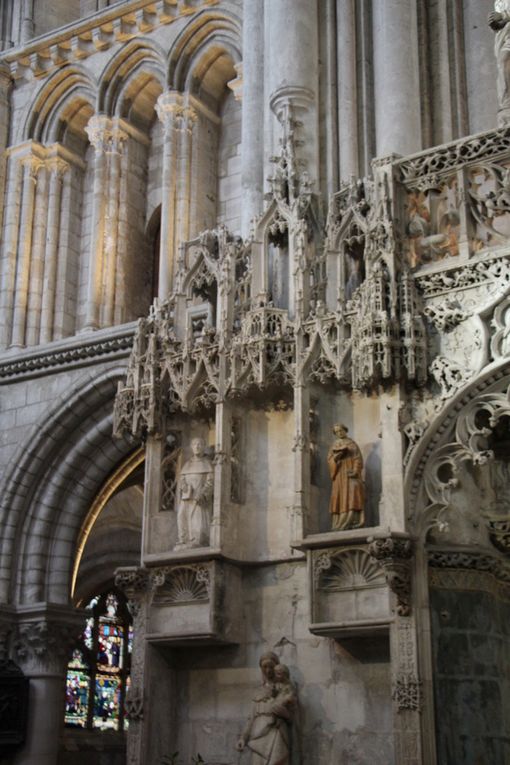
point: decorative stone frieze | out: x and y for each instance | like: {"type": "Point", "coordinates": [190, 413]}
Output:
{"type": "Point", "coordinates": [407, 693]}
{"type": "Point", "coordinates": [394, 555]}
{"type": "Point", "coordinates": [85, 37]}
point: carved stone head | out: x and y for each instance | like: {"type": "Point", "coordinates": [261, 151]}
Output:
{"type": "Point", "coordinates": [197, 447]}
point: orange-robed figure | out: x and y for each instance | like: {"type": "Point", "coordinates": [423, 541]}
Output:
{"type": "Point", "coordinates": [345, 464]}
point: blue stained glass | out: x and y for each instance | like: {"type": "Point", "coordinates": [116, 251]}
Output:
{"type": "Point", "coordinates": [77, 698]}
{"type": "Point", "coordinates": [107, 703]}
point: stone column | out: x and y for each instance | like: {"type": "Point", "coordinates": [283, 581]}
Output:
{"type": "Point", "coordinates": [252, 159]}
{"type": "Point", "coordinates": [57, 168]}
{"type": "Point", "coordinates": [31, 165]}
{"type": "Point", "coordinates": [168, 107]}
{"type": "Point", "coordinates": [292, 44]}
{"type": "Point", "coordinates": [63, 324]}
{"type": "Point", "coordinates": [35, 290]}
{"type": "Point", "coordinates": [10, 247]}
{"type": "Point", "coordinates": [5, 86]}
{"type": "Point", "coordinates": [45, 636]}
{"type": "Point", "coordinates": [183, 187]}
{"type": "Point", "coordinates": [97, 131]}
{"type": "Point", "coordinates": [397, 79]}
{"type": "Point", "coordinates": [117, 140]}
{"type": "Point", "coordinates": [347, 90]}
{"type": "Point", "coordinates": [27, 26]}
{"type": "Point", "coordinates": [481, 68]}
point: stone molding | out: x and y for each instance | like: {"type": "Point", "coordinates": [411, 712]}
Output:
{"type": "Point", "coordinates": [84, 37]}
{"type": "Point", "coordinates": [470, 560]}
{"type": "Point", "coordinates": [65, 354]}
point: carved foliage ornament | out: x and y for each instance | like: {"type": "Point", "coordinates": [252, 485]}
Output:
{"type": "Point", "coordinates": [443, 473]}
{"type": "Point", "coordinates": [407, 693]}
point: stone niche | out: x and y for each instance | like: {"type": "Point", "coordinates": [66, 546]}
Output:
{"type": "Point", "coordinates": [189, 603]}
{"type": "Point", "coordinates": [362, 417]}
{"type": "Point", "coordinates": [259, 525]}
{"type": "Point", "coordinates": [349, 593]}
{"type": "Point", "coordinates": [165, 458]}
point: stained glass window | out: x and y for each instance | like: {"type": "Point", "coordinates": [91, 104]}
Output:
{"type": "Point", "coordinates": [98, 670]}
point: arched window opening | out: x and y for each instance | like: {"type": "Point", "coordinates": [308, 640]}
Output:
{"type": "Point", "coordinates": [98, 672]}
{"type": "Point", "coordinates": [278, 253]}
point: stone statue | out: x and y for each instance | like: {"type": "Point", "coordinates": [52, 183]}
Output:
{"type": "Point", "coordinates": [268, 734]}
{"type": "Point", "coordinates": [194, 498]}
{"type": "Point", "coordinates": [348, 492]}
{"type": "Point", "coordinates": [499, 21]}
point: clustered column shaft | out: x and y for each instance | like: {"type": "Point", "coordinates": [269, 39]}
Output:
{"type": "Point", "coordinates": [108, 139]}
{"type": "Point", "coordinates": [178, 119]}
{"type": "Point", "coordinates": [30, 244]}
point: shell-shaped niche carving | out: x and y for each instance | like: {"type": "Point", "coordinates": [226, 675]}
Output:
{"type": "Point", "coordinates": [185, 584]}
{"type": "Point", "coordinates": [350, 570]}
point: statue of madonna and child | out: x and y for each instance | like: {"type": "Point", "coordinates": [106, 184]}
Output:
{"type": "Point", "coordinates": [271, 732]}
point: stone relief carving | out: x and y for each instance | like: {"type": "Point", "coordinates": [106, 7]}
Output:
{"type": "Point", "coordinates": [394, 556]}
{"type": "Point", "coordinates": [181, 584]}
{"type": "Point", "coordinates": [194, 498]}
{"type": "Point", "coordinates": [433, 227]}
{"type": "Point", "coordinates": [445, 315]}
{"type": "Point", "coordinates": [270, 734]}
{"type": "Point", "coordinates": [345, 464]}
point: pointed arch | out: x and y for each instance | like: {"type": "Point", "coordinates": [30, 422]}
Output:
{"type": "Point", "coordinates": [132, 81]}
{"type": "Point", "coordinates": [50, 486]}
{"type": "Point", "coordinates": [203, 57]}
{"type": "Point", "coordinates": [65, 101]}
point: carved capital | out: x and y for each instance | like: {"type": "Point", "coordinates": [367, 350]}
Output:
{"type": "Point", "coordinates": [57, 166]}
{"type": "Point", "coordinates": [31, 165]}
{"type": "Point", "coordinates": [174, 113]}
{"type": "Point", "coordinates": [394, 556]}
{"type": "Point", "coordinates": [134, 583]}
{"type": "Point", "coordinates": [105, 135]}
{"type": "Point", "coordinates": [41, 644]}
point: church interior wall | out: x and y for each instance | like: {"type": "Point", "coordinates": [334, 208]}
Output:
{"type": "Point", "coordinates": [124, 142]}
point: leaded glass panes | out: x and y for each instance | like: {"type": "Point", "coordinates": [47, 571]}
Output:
{"type": "Point", "coordinates": [98, 671]}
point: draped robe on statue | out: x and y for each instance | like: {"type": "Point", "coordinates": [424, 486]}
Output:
{"type": "Point", "coordinates": [347, 501]}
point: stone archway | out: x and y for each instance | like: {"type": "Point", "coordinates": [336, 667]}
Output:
{"type": "Point", "coordinates": [462, 572]}
{"type": "Point", "coordinates": [47, 494]}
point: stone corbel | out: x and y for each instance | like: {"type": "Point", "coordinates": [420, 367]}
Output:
{"type": "Point", "coordinates": [133, 582]}
{"type": "Point", "coordinates": [395, 557]}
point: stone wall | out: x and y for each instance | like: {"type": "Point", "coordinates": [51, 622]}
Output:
{"type": "Point", "coordinates": [470, 638]}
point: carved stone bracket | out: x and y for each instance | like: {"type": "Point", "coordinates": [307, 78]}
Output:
{"type": "Point", "coordinates": [134, 583]}
{"type": "Point", "coordinates": [394, 556]}
{"type": "Point", "coordinates": [134, 705]}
